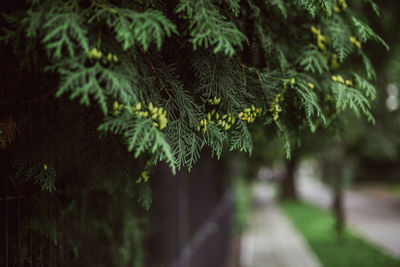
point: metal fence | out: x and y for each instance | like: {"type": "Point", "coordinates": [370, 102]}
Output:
{"type": "Point", "coordinates": [190, 221]}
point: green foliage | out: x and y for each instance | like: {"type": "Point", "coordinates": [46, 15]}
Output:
{"type": "Point", "coordinates": [140, 135]}
{"type": "Point", "coordinates": [147, 68]}
{"type": "Point", "coordinates": [131, 28]}
{"type": "Point", "coordinates": [62, 28]}
{"type": "Point", "coordinates": [312, 60]}
{"type": "Point", "coordinates": [365, 33]}
{"type": "Point", "coordinates": [209, 28]}
{"type": "Point", "coordinates": [97, 81]}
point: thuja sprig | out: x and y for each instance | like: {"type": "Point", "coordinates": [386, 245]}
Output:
{"type": "Point", "coordinates": [97, 55]}
{"type": "Point", "coordinates": [341, 5]}
{"type": "Point", "coordinates": [275, 107]}
{"type": "Point", "coordinates": [157, 114]}
{"type": "Point", "coordinates": [249, 114]}
{"type": "Point", "coordinates": [322, 40]}
{"type": "Point", "coordinates": [203, 126]}
{"type": "Point", "coordinates": [354, 41]}
{"type": "Point", "coordinates": [214, 101]}
{"type": "Point", "coordinates": [339, 79]}
{"type": "Point", "coordinates": [225, 121]}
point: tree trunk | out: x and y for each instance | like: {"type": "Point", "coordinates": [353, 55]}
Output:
{"type": "Point", "coordinates": [332, 171]}
{"type": "Point", "coordinates": [337, 205]}
{"type": "Point", "coordinates": [288, 185]}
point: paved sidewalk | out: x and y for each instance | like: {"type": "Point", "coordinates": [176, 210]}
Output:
{"type": "Point", "coordinates": [373, 215]}
{"type": "Point", "coordinates": [271, 240]}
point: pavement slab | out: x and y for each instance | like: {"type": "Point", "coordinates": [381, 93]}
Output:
{"type": "Point", "coordinates": [271, 240]}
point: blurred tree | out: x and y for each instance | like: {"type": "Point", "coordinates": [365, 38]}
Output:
{"type": "Point", "coordinates": [375, 149]}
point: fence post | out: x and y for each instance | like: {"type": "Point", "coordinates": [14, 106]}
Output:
{"type": "Point", "coordinates": [5, 223]}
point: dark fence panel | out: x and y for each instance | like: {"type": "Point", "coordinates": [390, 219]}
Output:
{"type": "Point", "coordinates": [191, 223]}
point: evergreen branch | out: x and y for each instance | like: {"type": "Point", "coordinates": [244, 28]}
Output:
{"type": "Point", "coordinates": [208, 28]}
{"type": "Point", "coordinates": [140, 136]}
{"type": "Point", "coordinates": [241, 138]}
{"type": "Point", "coordinates": [365, 33]}
{"type": "Point", "coordinates": [312, 60]}
{"type": "Point", "coordinates": [62, 30]}
{"type": "Point", "coordinates": [215, 138]}
{"type": "Point", "coordinates": [97, 81]}
{"type": "Point", "coordinates": [131, 27]}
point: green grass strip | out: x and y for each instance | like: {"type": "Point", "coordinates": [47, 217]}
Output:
{"type": "Point", "coordinates": [317, 226]}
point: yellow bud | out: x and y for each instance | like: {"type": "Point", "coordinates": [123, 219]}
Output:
{"type": "Point", "coordinates": [213, 111]}
{"type": "Point", "coordinates": [247, 110]}
{"type": "Point", "coordinates": [208, 116]}
{"type": "Point", "coordinates": [160, 111]}
{"type": "Point", "coordinates": [45, 167]}
{"type": "Point", "coordinates": [150, 106]}
{"type": "Point", "coordinates": [240, 115]}
{"type": "Point", "coordinates": [340, 79]}
{"type": "Point", "coordinates": [321, 45]}
{"type": "Point", "coordinates": [99, 54]}
{"type": "Point", "coordinates": [154, 116]}
{"type": "Point", "coordinates": [292, 80]}
{"type": "Point", "coordinates": [349, 82]}
{"type": "Point", "coordinates": [109, 56]}
{"type": "Point", "coordinates": [334, 78]}
{"type": "Point", "coordinates": [163, 123]}
{"type": "Point", "coordinates": [311, 85]}
{"type": "Point", "coordinates": [217, 116]}
{"type": "Point", "coordinates": [115, 105]}
{"type": "Point", "coordinates": [253, 108]}
{"type": "Point", "coordinates": [224, 116]}
{"type": "Point", "coordinates": [92, 52]}
{"type": "Point", "coordinates": [201, 122]}
{"type": "Point", "coordinates": [154, 111]}
{"type": "Point", "coordinates": [315, 30]}
{"type": "Point", "coordinates": [115, 58]}
{"type": "Point", "coordinates": [138, 106]}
